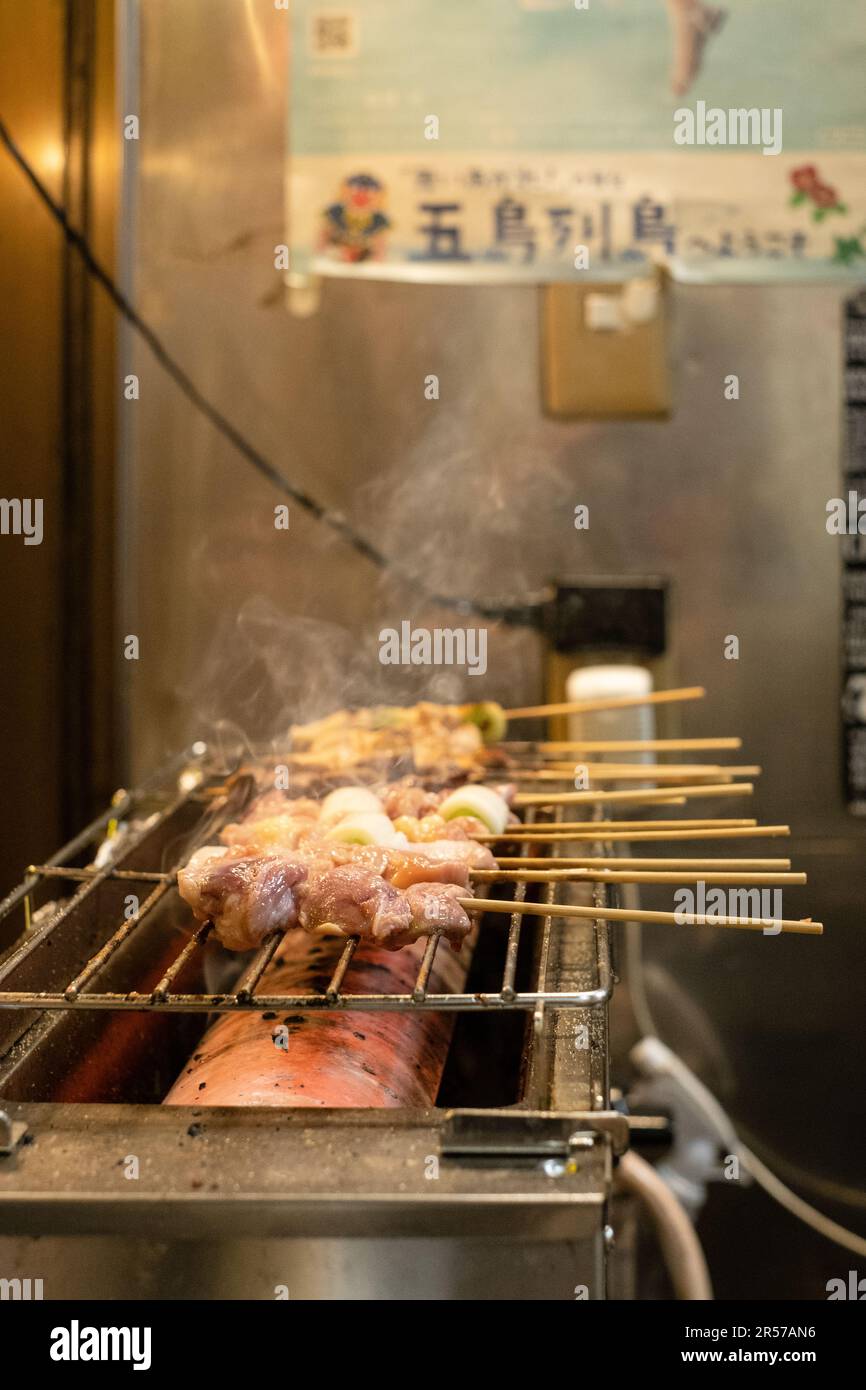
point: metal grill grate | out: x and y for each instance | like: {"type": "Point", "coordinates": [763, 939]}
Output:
{"type": "Point", "coordinates": [211, 804]}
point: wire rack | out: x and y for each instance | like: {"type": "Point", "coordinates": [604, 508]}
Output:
{"type": "Point", "coordinates": [187, 820]}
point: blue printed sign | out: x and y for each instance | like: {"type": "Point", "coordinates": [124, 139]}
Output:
{"type": "Point", "coordinates": [561, 139]}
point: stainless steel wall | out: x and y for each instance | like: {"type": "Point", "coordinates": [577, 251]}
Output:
{"type": "Point", "coordinates": [477, 492]}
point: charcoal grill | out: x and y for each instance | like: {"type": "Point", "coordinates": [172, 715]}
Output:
{"type": "Point", "coordinates": [102, 1000]}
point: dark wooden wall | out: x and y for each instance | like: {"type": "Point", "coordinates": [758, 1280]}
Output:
{"type": "Point", "coordinates": [56, 426]}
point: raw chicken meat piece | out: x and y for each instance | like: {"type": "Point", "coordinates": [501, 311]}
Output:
{"type": "Point", "coordinates": [358, 903]}
{"type": "Point", "coordinates": [244, 896]}
{"type": "Point", "coordinates": [436, 907]}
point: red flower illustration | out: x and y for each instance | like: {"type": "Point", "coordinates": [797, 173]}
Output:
{"type": "Point", "coordinates": [824, 196]}
{"type": "Point", "coordinates": [805, 178]}
{"type": "Point", "coordinates": [809, 188]}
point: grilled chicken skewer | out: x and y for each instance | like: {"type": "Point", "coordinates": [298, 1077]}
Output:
{"type": "Point", "coordinates": [458, 738]}
{"type": "Point", "coordinates": [487, 716]}
{"type": "Point", "coordinates": [299, 863]}
{"type": "Point", "coordinates": [344, 866]}
{"type": "Point", "coordinates": [387, 897]}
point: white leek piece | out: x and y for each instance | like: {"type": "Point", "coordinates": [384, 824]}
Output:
{"type": "Point", "coordinates": [348, 801]}
{"type": "Point", "coordinates": [368, 828]}
{"type": "Point", "coordinates": [483, 803]}
{"type": "Point", "coordinates": [490, 719]}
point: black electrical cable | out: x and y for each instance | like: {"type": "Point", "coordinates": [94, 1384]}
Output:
{"type": "Point", "coordinates": [520, 614]}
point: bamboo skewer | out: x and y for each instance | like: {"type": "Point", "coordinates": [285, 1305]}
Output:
{"type": "Point", "coordinates": [544, 837]}
{"type": "Point", "coordinates": [566, 875]}
{"type": "Point", "coordinates": [634, 772]}
{"type": "Point", "coordinates": [648, 770]}
{"type": "Point", "coordinates": [685, 823]}
{"type": "Point", "coordinates": [656, 697]}
{"type": "Point", "coordinates": [639, 796]}
{"type": "Point", "coordinates": [622, 914]}
{"type": "Point", "coordinates": [618, 745]}
{"type": "Point", "coordinates": [545, 748]}
{"type": "Point", "coordinates": [613, 861]}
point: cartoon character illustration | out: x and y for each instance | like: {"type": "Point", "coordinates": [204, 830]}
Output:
{"type": "Point", "coordinates": [692, 23]}
{"type": "Point", "coordinates": [353, 228]}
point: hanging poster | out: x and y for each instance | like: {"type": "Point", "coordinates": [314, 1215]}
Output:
{"type": "Point", "coordinates": [476, 140]}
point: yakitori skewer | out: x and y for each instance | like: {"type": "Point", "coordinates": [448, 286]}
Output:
{"type": "Point", "coordinates": [655, 697]}
{"type": "Point", "coordinates": [642, 796]}
{"type": "Point", "coordinates": [566, 875]}
{"type": "Point", "coordinates": [618, 745]}
{"type": "Point", "coordinates": [623, 914]}
{"type": "Point", "coordinates": [527, 861]}
{"type": "Point", "coordinates": [635, 772]}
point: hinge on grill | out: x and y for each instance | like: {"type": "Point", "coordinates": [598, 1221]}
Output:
{"type": "Point", "coordinates": [529, 1134]}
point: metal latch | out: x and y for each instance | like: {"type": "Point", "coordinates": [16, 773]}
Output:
{"type": "Point", "coordinates": [11, 1134]}
{"type": "Point", "coordinates": [529, 1134]}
